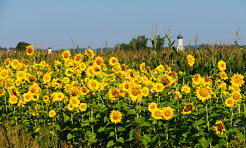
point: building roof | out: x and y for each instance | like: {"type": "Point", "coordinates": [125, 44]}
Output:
{"type": "Point", "coordinates": [179, 36]}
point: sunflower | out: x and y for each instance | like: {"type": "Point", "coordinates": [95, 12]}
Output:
{"type": "Point", "coordinates": [235, 87]}
{"type": "Point", "coordinates": [70, 106]}
{"type": "Point", "coordinates": [21, 103]}
{"type": "Point", "coordinates": [46, 98]}
{"type": "Point", "coordinates": [115, 116]}
{"type": "Point", "coordinates": [177, 95]}
{"type": "Point", "coordinates": [7, 62]}
{"type": "Point", "coordinates": [167, 113]}
{"type": "Point", "coordinates": [185, 89]}
{"type": "Point", "coordinates": [135, 93]}
{"type": "Point", "coordinates": [52, 113]}
{"type": "Point", "coordinates": [145, 91]}
{"type": "Point", "coordinates": [2, 92]}
{"type": "Point", "coordinates": [89, 53]}
{"type": "Point", "coordinates": [20, 75]}
{"type": "Point", "coordinates": [203, 93]}
{"type": "Point", "coordinates": [223, 75]}
{"type": "Point", "coordinates": [152, 106]}
{"type": "Point", "coordinates": [159, 87]}
{"type": "Point", "coordinates": [197, 79]}
{"type": "Point", "coordinates": [167, 81]}
{"type": "Point", "coordinates": [4, 74]}
{"type": "Point", "coordinates": [188, 108]}
{"type": "Point", "coordinates": [98, 61]}
{"type": "Point", "coordinates": [237, 79]}
{"type": "Point", "coordinates": [15, 64]}
{"type": "Point", "coordinates": [69, 72]}
{"type": "Point", "coordinates": [113, 61]}
{"type": "Point", "coordinates": [29, 50]}
{"type": "Point", "coordinates": [160, 68]}
{"type": "Point", "coordinates": [236, 96]}
{"type": "Point", "coordinates": [74, 101]}
{"type": "Point", "coordinates": [207, 81]}
{"type": "Point", "coordinates": [93, 85]}
{"type": "Point", "coordinates": [142, 67]}
{"type": "Point", "coordinates": [157, 113]}
{"type": "Point", "coordinates": [84, 91]}
{"type": "Point", "coordinates": [13, 100]}
{"type": "Point", "coordinates": [191, 60]}
{"type": "Point", "coordinates": [66, 55]}
{"type": "Point", "coordinates": [82, 107]}
{"type": "Point", "coordinates": [90, 72]}
{"type": "Point", "coordinates": [46, 78]}
{"type": "Point", "coordinates": [229, 102]}
{"type": "Point", "coordinates": [13, 91]}
{"type": "Point", "coordinates": [78, 58]}
{"type": "Point", "coordinates": [27, 97]}
{"type": "Point", "coordinates": [222, 65]}
{"type": "Point", "coordinates": [112, 94]}
{"type": "Point", "coordinates": [219, 127]}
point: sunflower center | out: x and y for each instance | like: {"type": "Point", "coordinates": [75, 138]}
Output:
{"type": "Point", "coordinates": [204, 92]}
{"type": "Point", "coordinates": [167, 113]}
{"type": "Point", "coordinates": [115, 117]}
{"type": "Point", "coordinates": [158, 114]}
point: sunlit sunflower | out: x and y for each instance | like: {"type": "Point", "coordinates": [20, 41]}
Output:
{"type": "Point", "coordinates": [112, 93]}
{"type": "Point", "coordinates": [135, 93]}
{"type": "Point", "coordinates": [20, 75]}
{"type": "Point", "coordinates": [15, 64]}
{"type": "Point", "coordinates": [178, 95]}
{"type": "Point", "coordinates": [159, 87]}
{"type": "Point", "coordinates": [235, 87]}
{"type": "Point", "coordinates": [219, 127]}
{"type": "Point", "coordinates": [7, 62]}
{"type": "Point", "coordinates": [222, 65]}
{"type": "Point", "coordinates": [78, 58]}
{"type": "Point", "coordinates": [167, 81]}
{"type": "Point", "coordinates": [185, 89]}
{"type": "Point", "coordinates": [203, 93]}
{"type": "Point", "coordinates": [115, 116]}
{"type": "Point", "coordinates": [93, 85]}
{"type": "Point", "coordinates": [74, 101]}
{"type": "Point", "coordinates": [237, 79]}
{"type": "Point", "coordinates": [66, 55]}
{"type": "Point", "coordinates": [29, 50]}
{"type": "Point", "coordinates": [223, 75]}
{"type": "Point", "coordinates": [13, 100]}
{"type": "Point", "coordinates": [46, 78]}
{"type": "Point", "coordinates": [46, 98]}
{"type": "Point", "coordinates": [157, 113]}
{"type": "Point", "coordinates": [191, 60]}
{"type": "Point", "coordinates": [197, 79]}
{"type": "Point", "coordinates": [27, 97]}
{"type": "Point", "coordinates": [145, 91]}
{"type": "Point", "coordinates": [82, 107]}
{"type": "Point", "coordinates": [236, 96]}
{"type": "Point", "coordinates": [113, 61]}
{"type": "Point", "coordinates": [188, 108]}
{"type": "Point", "coordinates": [4, 74]}
{"type": "Point", "coordinates": [89, 53]}
{"type": "Point", "coordinates": [207, 81]}
{"type": "Point", "coordinates": [52, 113]}
{"type": "Point", "coordinates": [21, 104]}
{"type": "Point", "coordinates": [70, 106]}
{"type": "Point", "coordinates": [84, 91]}
{"type": "Point", "coordinates": [167, 113]}
{"type": "Point", "coordinates": [13, 91]}
{"type": "Point", "coordinates": [152, 106]}
{"type": "Point", "coordinates": [98, 61]}
{"type": "Point", "coordinates": [160, 68]}
{"type": "Point", "coordinates": [142, 67]}
{"type": "Point", "coordinates": [229, 102]}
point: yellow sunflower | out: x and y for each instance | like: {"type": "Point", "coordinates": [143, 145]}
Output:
{"type": "Point", "coordinates": [142, 67]}
{"type": "Point", "coordinates": [93, 85]}
{"type": "Point", "coordinates": [78, 58]}
{"type": "Point", "coordinates": [46, 78]}
{"type": "Point", "coordinates": [222, 65]}
{"type": "Point", "coordinates": [152, 106]}
{"type": "Point", "coordinates": [191, 60]}
{"type": "Point", "coordinates": [145, 91]}
{"type": "Point", "coordinates": [203, 93]}
{"type": "Point", "coordinates": [29, 50]}
{"type": "Point", "coordinates": [4, 74]}
{"type": "Point", "coordinates": [98, 61]}
{"type": "Point", "coordinates": [13, 100]}
{"type": "Point", "coordinates": [167, 113]}
{"type": "Point", "coordinates": [159, 87]}
{"type": "Point", "coordinates": [197, 79]}
{"type": "Point", "coordinates": [229, 102]}
{"type": "Point", "coordinates": [52, 113]}
{"type": "Point", "coordinates": [115, 116]}
{"type": "Point", "coordinates": [188, 108]}
{"type": "Point", "coordinates": [113, 61]}
{"type": "Point", "coordinates": [74, 101]}
{"type": "Point", "coordinates": [66, 55]}
{"type": "Point", "coordinates": [236, 96]}
{"type": "Point", "coordinates": [237, 79]}
{"type": "Point", "coordinates": [219, 127]}
{"type": "Point", "coordinates": [82, 107]}
{"type": "Point", "coordinates": [223, 75]}
{"type": "Point", "coordinates": [157, 113]}
{"type": "Point", "coordinates": [89, 53]}
{"type": "Point", "coordinates": [185, 89]}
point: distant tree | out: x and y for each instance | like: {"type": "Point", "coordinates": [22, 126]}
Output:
{"type": "Point", "coordinates": [157, 42]}
{"type": "Point", "coordinates": [135, 44]}
{"type": "Point", "coordinates": [21, 46]}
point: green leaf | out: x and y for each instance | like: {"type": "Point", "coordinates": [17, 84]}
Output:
{"type": "Point", "coordinates": [121, 140]}
{"type": "Point", "coordinates": [110, 143]}
{"type": "Point", "coordinates": [120, 129]}
{"type": "Point", "coordinates": [37, 130]}
{"type": "Point", "coordinates": [69, 136]}
{"type": "Point", "coordinates": [204, 142]}
{"type": "Point", "coordinates": [66, 117]}
{"type": "Point", "coordinates": [197, 123]}
{"type": "Point", "coordinates": [111, 134]}
{"type": "Point", "coordinates": [131, 112]}
{"type": "Point", "coordinates": [101, 129]}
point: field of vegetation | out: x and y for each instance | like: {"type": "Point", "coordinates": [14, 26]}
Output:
{"type": "Point", "coordinates": [124, 98]}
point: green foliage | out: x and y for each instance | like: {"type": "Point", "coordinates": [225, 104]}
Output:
{"type": "Point", "coordinates": [21, 46]}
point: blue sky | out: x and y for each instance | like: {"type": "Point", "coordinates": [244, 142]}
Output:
{"type": "Point", "coordinates": [60, 23]}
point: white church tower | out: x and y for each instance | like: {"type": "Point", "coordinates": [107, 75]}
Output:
{"type": "Point", "coordinates": [180, 42]}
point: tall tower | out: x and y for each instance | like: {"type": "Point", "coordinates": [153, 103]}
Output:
{"type": "Point", "coordinates": [180, 42]}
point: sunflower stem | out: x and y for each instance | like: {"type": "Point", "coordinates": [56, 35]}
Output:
{"type": "Point", "coordinates": [207, 116]}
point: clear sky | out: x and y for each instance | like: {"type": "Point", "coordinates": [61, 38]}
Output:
{"type": "Point", "coordinates": [60, 23]}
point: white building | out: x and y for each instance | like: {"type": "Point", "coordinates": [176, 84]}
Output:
{"type": "Point", "coordinates": [180, 43]}
{"type": "Point", "coordinates": [49, 50]}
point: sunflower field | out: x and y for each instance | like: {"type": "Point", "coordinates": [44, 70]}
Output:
{"type": "Point", "coordinates": [85, 100]}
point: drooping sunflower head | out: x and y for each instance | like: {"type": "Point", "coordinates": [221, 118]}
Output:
{"type": "Point", "coordinates": [29, 50]}
{"type": "Point", "coordinates": [115, 116]}
{"type": "Point", "coordinates": [188, 108]}
{"type": "Point", "coordinates": [222, 65]}
{"type": "Point", "coordinates": [219, 127]}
